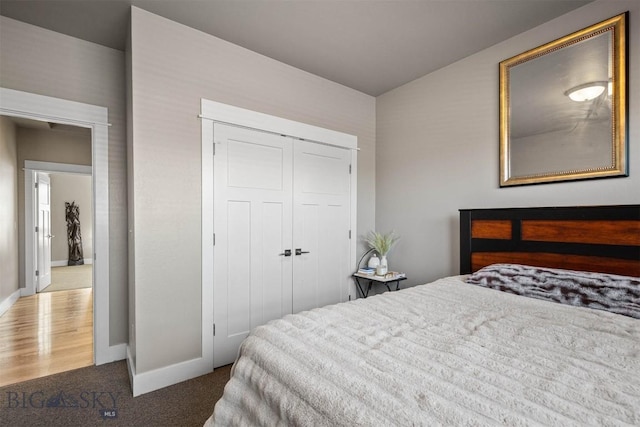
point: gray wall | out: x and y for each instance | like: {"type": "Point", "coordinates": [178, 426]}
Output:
{"type": "Point", "coordinates": [70, 188]}
{"type": "Point", "coordinates": [437, 149]}
{"type": "Point", "coordinates": [173, 67]}
{"type": "Point", "coordinates": [39, 61]}
{"type": "Point", "coordinates": [8, 209]}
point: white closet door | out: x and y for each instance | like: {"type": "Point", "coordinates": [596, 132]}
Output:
{"type": "Point", "coordinates": [44, 231]}
{"type": "Point", "coordinates": [252, 225]}
{"type": "Point", "coordinates": [321, 225]}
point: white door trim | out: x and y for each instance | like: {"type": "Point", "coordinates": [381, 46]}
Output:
{"type": "Point", "coordinates": [228, 114]}
{"type": "Point", "coordinates": [211, 112]}
{"type": "Point", "coordinates": [28, 105]}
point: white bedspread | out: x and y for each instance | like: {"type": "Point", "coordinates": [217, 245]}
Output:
{"type": "Point", "coordinates": [446, 353]}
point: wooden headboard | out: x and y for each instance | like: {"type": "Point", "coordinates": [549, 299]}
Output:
{"type": "Point", "coordinates": [590, 238]}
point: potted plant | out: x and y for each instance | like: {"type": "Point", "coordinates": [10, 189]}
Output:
{"type": "Point", "coordinates": [382, 243]}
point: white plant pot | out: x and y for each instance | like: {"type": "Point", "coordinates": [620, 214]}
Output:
{"type": "Point", "coordinates": [374, 261]}
{"type": "Point", "coordinates": [381, 270]}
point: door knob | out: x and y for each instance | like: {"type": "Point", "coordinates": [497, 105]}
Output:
{"type": "Point", "coordinates": [300, 252]}
{"type": "Point", "coordinates": [287, 252]}
{"type": "Point", "coordinates": [50, 236]}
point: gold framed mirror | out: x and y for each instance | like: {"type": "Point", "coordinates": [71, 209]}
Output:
{"type": "Point", "coordinates": [563, 108]}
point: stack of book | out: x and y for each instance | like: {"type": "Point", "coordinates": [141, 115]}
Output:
{"type": "Point", "coordinates": [366, 270]}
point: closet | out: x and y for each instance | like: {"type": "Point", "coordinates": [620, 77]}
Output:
{"type": "Point", "coordinates": [282, 220]}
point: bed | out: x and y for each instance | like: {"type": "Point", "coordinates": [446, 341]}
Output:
{"type": "Point", "coordinates": [547, 333]}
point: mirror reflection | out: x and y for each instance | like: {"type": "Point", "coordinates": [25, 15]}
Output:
{"type": "Point", "coordinates": [560, 109]}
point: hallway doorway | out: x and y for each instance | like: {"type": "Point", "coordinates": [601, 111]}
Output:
{"type": "Point", "coordinates": [50, 331]}
{"type": "Point", "coordinates": [55, 111]}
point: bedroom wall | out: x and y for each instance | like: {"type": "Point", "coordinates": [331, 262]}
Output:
{"type": "Point", "coordinates": [437, 149]}
{"type": "Point", "coordinates": [40, 61]}
{"type": "Point", "coordinates": [70, 188]}
{"type": "Point", "coordinates": [173, 67]}
{"type": "Point", "coordinates": [9, 283]}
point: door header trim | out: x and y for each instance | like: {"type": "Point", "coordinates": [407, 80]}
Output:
{"type": "Point", "coordinates": [236, 116]}
{"type": "Point", "coordinates": [57, 167]}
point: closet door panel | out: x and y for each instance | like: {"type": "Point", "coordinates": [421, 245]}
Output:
{"type": "Point", "coordinates": [321, 225]}
{"type": "Point", "coordinates": [276, 297]}
{"type": "Point", "coordinates": [307, 276]}
{"type": "Point", "coordinates": [255, 166]}
{"type": "Point", "coordinates": [336, 254]}
{"type": "Point", "coordinates": [252, 224]}
{"type": "Point", "coordinates": [238, 247]}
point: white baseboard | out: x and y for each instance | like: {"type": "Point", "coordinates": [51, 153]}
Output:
{"type": "Point", "coordinates": [156, 379]}
{"type": "Point", "coordinates": [65, 262]}
{"type": "Point", "coordinates": [9, 301]}
{"type": "Point", "coordinates": [114, 353]}
{"type": "Point", "coordinates": [118, 352]}
{"type": "Point", "coordinates": [130, 367]}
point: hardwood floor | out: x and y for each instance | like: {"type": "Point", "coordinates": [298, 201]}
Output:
{"type": "Point", "coordinates": [46, 333]}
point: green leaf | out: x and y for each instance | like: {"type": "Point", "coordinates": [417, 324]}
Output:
{"type": "Point", "coordinates": [382, 243]}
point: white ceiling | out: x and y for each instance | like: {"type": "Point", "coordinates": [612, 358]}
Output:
{"type": "Point", "coordinates": [369, 45]}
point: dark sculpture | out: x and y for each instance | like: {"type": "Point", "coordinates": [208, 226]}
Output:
{"type": "Point", "coordinates": [73, 234]}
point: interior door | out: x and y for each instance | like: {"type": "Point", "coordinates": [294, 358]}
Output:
{"type": "Point", "coordinates": [43, 233]}
{"type": "Point", "coordinates": [252, 225]}
{"type": "Point", "coordinates": [321, 225]}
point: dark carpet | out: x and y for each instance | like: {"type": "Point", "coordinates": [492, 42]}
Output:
{"type": "Point", "coordinates": [101, 396]}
